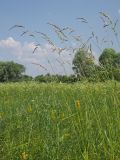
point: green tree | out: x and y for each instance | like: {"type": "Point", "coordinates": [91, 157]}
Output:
{"type": "Point", "coordinates": [110, 61]}
{"type": "Point", "coordinates": [107, 57]}
{"type": "Point", "coordinates": [117, 67]}
{"type": "Point", "coordinates": [10, 71]}
{"type": "Point", "coordinates": [83, 63]}
{"type": "Point", "coordinates": [117, 60]}
{"type": "Point", "coordinates": [26, 78]}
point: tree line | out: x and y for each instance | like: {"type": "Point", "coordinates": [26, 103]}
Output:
{"type": "Point", "coordinates": [85, 67]}
{"type": "Point", "coordinates": [106, 68]}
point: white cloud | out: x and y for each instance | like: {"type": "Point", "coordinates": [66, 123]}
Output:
{"type": "Point", "coordinates": [9, 43]}
{"type": "Point", "coordinates": [10, 49]}
{"type": "Point", "coordinates": [119, 11]}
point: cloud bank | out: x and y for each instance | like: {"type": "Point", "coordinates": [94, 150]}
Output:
{"type": "Point", "coordinates": [12, 50]}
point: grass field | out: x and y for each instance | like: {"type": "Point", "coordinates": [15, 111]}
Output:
{"type": "Point", "coordinates": [60, 121]}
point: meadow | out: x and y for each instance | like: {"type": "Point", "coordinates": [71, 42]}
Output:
{"type": "Point", "coordinates": [60, 121]}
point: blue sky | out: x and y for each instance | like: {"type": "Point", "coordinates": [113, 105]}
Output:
{"type": "Point", "coordinates": [34, 15]}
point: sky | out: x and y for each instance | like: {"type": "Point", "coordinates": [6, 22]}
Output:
{"type": "Point", "coordinates": [34, 16]}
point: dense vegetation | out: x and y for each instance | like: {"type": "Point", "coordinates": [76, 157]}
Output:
{"type": "Point", "coordinates": [10, 71]}
{"type": "Point", "coordinates": [107, 68]}
{"type": "Point", "coordinates": [60, 121]}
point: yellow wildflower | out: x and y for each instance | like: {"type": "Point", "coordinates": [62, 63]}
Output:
{"type": "Point", "coordinates": [66, 135]}
{"type": "Point", "coordinates": [29, 109]}
{"type": "Point", "coordinates": [77, 104]}
{"type": "Point", "coordinates": [24, 156]}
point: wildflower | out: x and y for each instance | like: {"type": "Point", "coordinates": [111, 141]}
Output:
{"type": "Point", "coordinates": [77, 104]}
{"type": "Point", "coordinates": [29, 109]}
{"type": "Point", "coordinates": [24, 156]}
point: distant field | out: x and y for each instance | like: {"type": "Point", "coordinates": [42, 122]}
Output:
{"type": "Point", "coordinates": [60, 121]}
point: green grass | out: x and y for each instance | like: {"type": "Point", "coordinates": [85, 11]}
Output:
{"type": "Point", "coordinates": [43, 121]}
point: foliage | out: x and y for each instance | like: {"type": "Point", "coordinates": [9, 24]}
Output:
{"type": "Point", "coordinates": [107, 57]}
{"type": "Point", "coordinates": [26, 78]}
{"type": "Point", "coordinates": [56, 78]}
{"type": "Point", "coordinates": [117, 61]}
{"type": "Point", "coordinates": [108, 68]}
{"type": "Point", "coordinates": [10, 71]}
{"type": "Point", "coordinates": [110, 60]}
{"type": "Point", "coordinates": [83, 63]}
